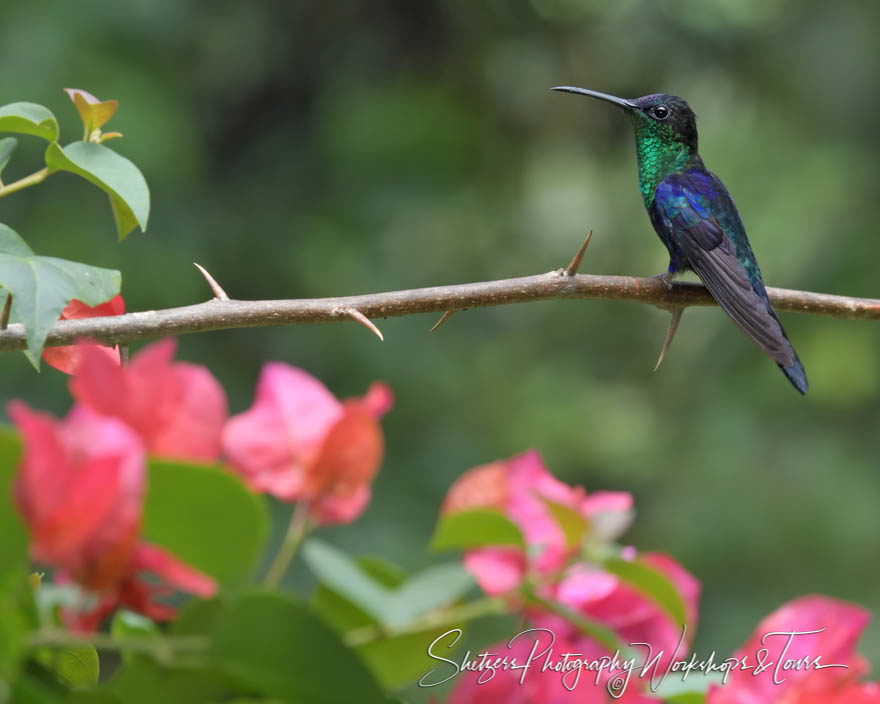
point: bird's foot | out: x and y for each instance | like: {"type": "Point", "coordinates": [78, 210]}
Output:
{"type": "Point", "coordinates": [666, 278]}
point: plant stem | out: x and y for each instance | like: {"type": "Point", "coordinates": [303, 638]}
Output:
{"type": "Point", "coordinates": [32, 180]}
{"type": "Point", "coordinates": [452, 617]}
{"type": "Point", "coordinates": [296, 531]}
{"type": "Point", "coordinates": [161, 648]}
{"type": "Point", "coordinates": [4, 314]}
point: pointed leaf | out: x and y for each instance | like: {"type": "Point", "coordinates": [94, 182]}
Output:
{"type": "Point", "coordinates": [574, 526]}
{"type": "Point", "coordinates": [42, 286]}
{"type": "Point", "coordinates": [7, 146]}
{"type": "Point", "coordinates": [76, 664]}
{"type": "Point", "coordinates": [474, 529]}
{"type": "Point", "coordinates": [652, 583]}
{"type": "Point", "coordinates": [343, 575]}
{"type": "Point", "coordinates": [207, 517]}
{"type": "Point", "coordinates": [111, 172]}
{"type": "Point", "coordinates": [29, 118]}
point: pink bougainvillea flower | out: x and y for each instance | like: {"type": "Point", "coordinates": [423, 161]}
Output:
{"type": "Point", "coordinates": [520, 487]}
{"type": "Point", "coordinates": [839, 626]}
{"type": "Point", "coordinates": [300, 443]}
{"type": "Point", "coordinates": [635, 618]}
{"type": "Point", "coordinates": [80, 490]}
{"type": "Point", "coordinates": [67, 357]}
{"type": "Point", "coordinates": [178, 409]}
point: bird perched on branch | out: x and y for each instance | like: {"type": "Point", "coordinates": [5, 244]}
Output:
{"type": "Point", "coordinates": [696, 219]}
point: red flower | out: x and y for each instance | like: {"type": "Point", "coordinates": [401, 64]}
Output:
{"type": "Point", "coordinates": [839, 627]}
{"type": "Point", "coordinates": [67, 357]}
{"type": "Point", "coordinates": [299, 443]}
{"type": "Point", "coordinates": [80, 491]}
{"type": "Point", "coordinates": [178, 409]}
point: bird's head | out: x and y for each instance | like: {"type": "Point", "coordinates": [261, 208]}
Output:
{"type": "Point", "coordinates": [659, 116]}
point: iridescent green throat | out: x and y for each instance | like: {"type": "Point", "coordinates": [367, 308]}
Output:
{"type": "Point", "coordinates": [661, 151]}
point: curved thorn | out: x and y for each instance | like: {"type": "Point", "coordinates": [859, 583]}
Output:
{"type": "Point", "coordinates": [219, 293]}
{"type": "Point", "coordinates": [670, 333]}
{"type": "Point", "coordinates": [446, 316]}
{"type": "Point", "coordinates": [355, 314]}
{"type": "Point", "coordinates": [4, 315]}
{"type": "Point", "coordinates": [576, 260]}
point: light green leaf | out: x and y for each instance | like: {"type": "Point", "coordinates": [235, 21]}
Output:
{"type": "Point", "coordinates": [111, 172]}
{"type": "Point", "coordinates": [674, 689]}
{"type": "Point", "coordinates": [276, 646]}
{"type": "Point", "coordinates": [75, 664]}
{"type": "Point", "coordinates": [574, 526]}
{"type": "Point", "coordinates": [42, 286]}
{"type": "Point", "coordinates": [476, 528]}
{"type": "Point", "coordinates": [29, 118]}
{"type": "Point", "coordinates": [430, 589]}
{"type": "Point", "coordinates": [207, 517]}
{"type": "Point", "coordinates": [652, 583]}
{"type": "Point", "coordinates": [127, 624]}
{"type": "Point", "coordinates": [7, 146]}
{"type": "Point", "coordinates": [343, 575]}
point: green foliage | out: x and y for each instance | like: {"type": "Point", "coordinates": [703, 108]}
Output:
{"type": "Point", "coordinates": [7, 146]}
{"type": "Point", "coordinates": [42, 286]}
{"type": "Point", "coordinates": [413, 597]}
{"type": "Point", "coordinates": [574, 526]}
{"type": "Point", "coordinates": [29, 118]}
{"type": "Point", "coordinates": [301, 661]}
{"type": "Point", "coordinates": [112, 173]}
{"type": "Point", "coordinates": [650, 582]}
{"type": "Point", "coordinates": [76, 665]}
{"type": "Point", "coordinates": [475, 528]}
{"type": "Point", "coordinates": [206, 517]}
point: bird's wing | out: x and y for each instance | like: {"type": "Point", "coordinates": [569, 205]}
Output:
{"type": "Point", "coordinates": [697, 210]}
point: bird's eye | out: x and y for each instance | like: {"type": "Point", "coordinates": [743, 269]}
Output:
{"type": "Point", "coordinates": [661, 112]}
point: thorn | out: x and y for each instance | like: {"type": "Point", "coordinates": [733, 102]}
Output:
{"type": "Point", "coordinates": [124, 354]}
{"type": "Point", "coordinates": [575, 262]}
{"type": "Point", "coordinates": [446, 316]}
{"type": "Point", "coordinates": [355, 314]}
{"type": "Point", "coordinates": [219, 293]}
{"type": "Point", "coordinates": [670, 333]}
{"type": "Point", "coordinates": [4, 315]}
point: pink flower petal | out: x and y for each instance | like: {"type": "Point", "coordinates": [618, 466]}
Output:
{"type": "Point", "coordinates": [497, 570]}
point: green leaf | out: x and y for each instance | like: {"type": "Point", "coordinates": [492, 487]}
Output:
{"type": "Point", "coordinates": [127, 624]}
{"type": "Point", "coordinates": [275, 645]}
{"type": "Point", "coordinates": [111, 172]}
{"type": "Point", "coordinates": [147, 682]}
{"type": "Point", "coordinates": [652, 583]}
{"type": "Point", "coordinates": [42, 286]}
{"type": "Point", "coordinates": [7, 146]}
{"type": "Point", "coordinates": [474, 529]}
{"type": "Point", "coordinates": [425, 591]}
{"type": "Point", "coordinates": [29, 118]}
{"type": "Point", "coordinates": [398, 659]}
{"type": "Point", "coordinates": [344, 576]}
{"type": "Point", "coordinates": [207, 517]}
{"type": "Point", "coordinates": [574, 526]}
{"type": "Point", "coordinates": [75, 664]}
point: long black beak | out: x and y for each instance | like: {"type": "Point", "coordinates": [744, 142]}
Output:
{"type": "Point", "coordinates": [620, 102]}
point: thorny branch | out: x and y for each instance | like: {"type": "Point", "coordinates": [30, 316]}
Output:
{"type": "Point", "coordinates": [223, 314]}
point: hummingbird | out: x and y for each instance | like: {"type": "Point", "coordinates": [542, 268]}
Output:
{"type": "Point", "coordinates": [695, 217]}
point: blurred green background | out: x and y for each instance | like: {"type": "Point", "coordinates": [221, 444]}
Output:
{"type": "Point", "coordinates": [301, 149]}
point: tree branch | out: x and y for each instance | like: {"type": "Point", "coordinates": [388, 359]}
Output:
{"type": "Point", "coordinates": [226, 314]}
